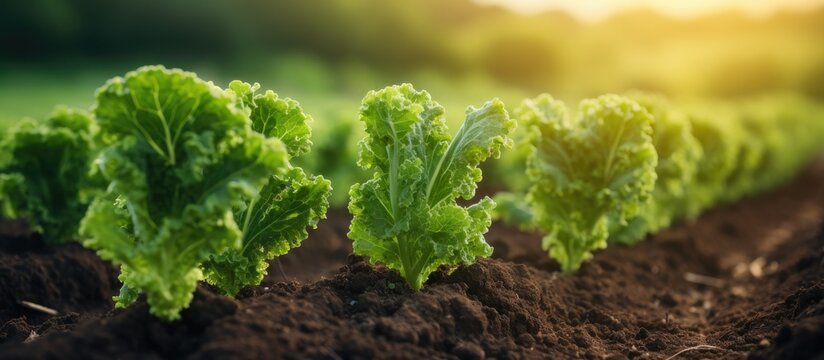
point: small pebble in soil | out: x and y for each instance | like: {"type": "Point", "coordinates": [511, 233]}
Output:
{"type": "Point", "coordinates": [642, 334]}
{"type": "Point", "coordinates": [634, 353]}
{"type": "Point", "coordinates": [32, 336]}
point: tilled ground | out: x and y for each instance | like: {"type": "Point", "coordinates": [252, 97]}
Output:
{"type": "Point", "coordinates": [745, 280]}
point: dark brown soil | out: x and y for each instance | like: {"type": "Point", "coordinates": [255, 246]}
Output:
{"type": "Point", "coordinates": [319, 256]}
{"type": "Point", "coordinates": [68, 279]}
{"type": "Point", "coordinates": [742, 281]}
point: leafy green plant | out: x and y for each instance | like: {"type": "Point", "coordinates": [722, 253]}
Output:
{"type": "Point", "coordinates": [586, 171]}
{"type": "Point", "coordinates": [512, 209]}
{"type": "Point", "coordinates": [406, 216]}
{"type": "Point", "coordinates": [678, 155]}
{"type": "Point", "coordinates": [720, 138]}
{"type": "Point", "coordinates": [752, 148]}
{"type": "Point", "coordinates": [789, 131]}
{"type": "Point", "coordinates": [708, 155]}
{"type": "Point", "coordinates": [181, 156]}
{"type": "Point", "coordinates": [274, 221]}
{"type": "Point", "coordinates": [45, 173]}
{"type": "Point", "coordinates": [510, 173]}
{"type": "Point", "coordinates": [334, 151]}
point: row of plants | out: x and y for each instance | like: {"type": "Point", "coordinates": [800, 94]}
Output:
{"type": "Point", "coordinates": [177, 180]}
{"type": "Point", "coordinates": [625, 167]}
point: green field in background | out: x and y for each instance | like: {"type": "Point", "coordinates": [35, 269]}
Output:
{"type": "Point", "coordinates": [326, 93]}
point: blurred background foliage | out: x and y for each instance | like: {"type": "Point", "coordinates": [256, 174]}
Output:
{"type": "Point", "coordinates": [328, 53]}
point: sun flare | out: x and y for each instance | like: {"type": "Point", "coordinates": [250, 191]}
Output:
{"type": "Point", "coordinates": [594, 10]}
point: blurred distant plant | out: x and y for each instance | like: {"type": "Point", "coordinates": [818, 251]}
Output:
{"type": "Point", "coordinates": [591, 176]}
{"type": "Point", "coordinates": [333, 153]}
{"type": "Point", "coordinates": [788, 130]}
{"type": "Point", "coordinates": [45, 173]}
{"type": "Point", "coordinates": [513, 209]}
{"type": "Point", "coordinates": [678, 156]}
{"type": "Point", "coordinates": [587, 171]}
{"type": "Point", "coordinates": [720, 138]}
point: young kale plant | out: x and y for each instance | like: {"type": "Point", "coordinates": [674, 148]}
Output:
{"type": "Point", "coordinates": [678, 156]}
{"type": "Point", "coordinates": [45, 177]}
{"type": "Point", "coordinates": [587, 171]}
{"type": "Point", "coordinates": [274, 221]}
{"type": "Point", "coordinates": [720, 136]}
{"type": "Point", "coordinates": [789, 131]}
{"type": "Point", "coordinates": [180, 157]}
{"type": "Point", "coordinates": [406, 216]}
